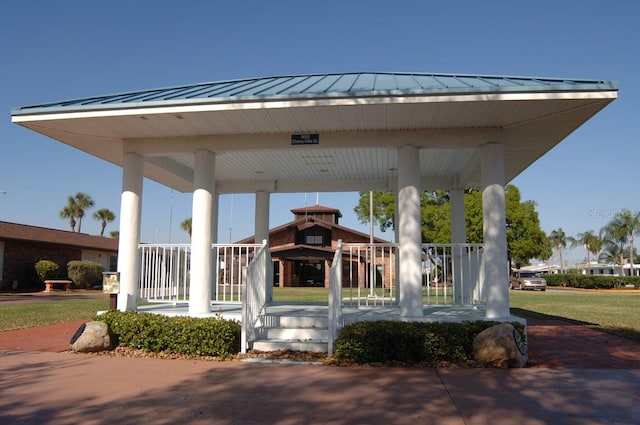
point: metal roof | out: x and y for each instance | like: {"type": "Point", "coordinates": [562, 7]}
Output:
{"type": "Point", "coordinates": [358, 122]}
{"type": "Point", "coordinates": [320, 86]}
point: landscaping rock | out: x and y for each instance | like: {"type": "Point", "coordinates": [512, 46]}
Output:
{"type": "Point", "coordinates": [500, 346]}
{"type": "Point", "coordinates": [91, 337]}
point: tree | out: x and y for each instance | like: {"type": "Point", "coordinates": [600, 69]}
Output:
{"type": "Point", "coordinates": [114, 234]}
{"type": "Point", "coordinates": [559, 241]}
{"type": "Point", "coordinates": [592, 243]}
{"type": "Point", "coordinates": [186, 226]}
{"type": "Point", "coordinates": [69, 212]}
{"type": "Point", "coordinates": [104, 216]}
{"type": "Point", "coordinates": [624, 226]}
{"type": "Point", "coordinates": [83, 202]}
{"type": "Point", "coordinates": [525, 238]}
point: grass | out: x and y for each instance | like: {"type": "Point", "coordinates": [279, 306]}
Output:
{"type": "Point", "coordinates": [29, 314]}
{"type": "Point", "coordinates": [612, 312]}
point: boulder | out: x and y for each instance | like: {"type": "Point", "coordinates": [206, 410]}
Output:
{"type": "Point", "coordinates": [91, 337]}
{"type": "Point", "coordinates": [500, 346]}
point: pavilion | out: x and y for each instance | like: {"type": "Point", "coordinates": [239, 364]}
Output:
{"type": "Point", "coordinates": [404, 132]}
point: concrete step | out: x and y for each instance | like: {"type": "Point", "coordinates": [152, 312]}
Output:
{"type": "Point", "coordinates": [275, 345]}
{"type": "Point", "coordinates": [293, 321]}
{"type": "Point", "coordinates": [294, 334]}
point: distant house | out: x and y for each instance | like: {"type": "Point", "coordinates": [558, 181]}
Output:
{"type": "Point", "coordinates": [302, 249]}
{"type": "Point", "coordinates": [21, 246]}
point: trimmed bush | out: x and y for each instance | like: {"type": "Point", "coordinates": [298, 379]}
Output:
{"type": "Point", "coordinates": [46, 269]}
{"type": "Point", "coordinates": [85, 274]}
{"type": "Point", "coordinates": [584, 281]}
{"type": "Point", "coordinates": [410, 342]}
{"type": "Point", "coordinates": [175, 335]}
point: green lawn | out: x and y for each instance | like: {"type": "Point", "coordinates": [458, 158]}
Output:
{"type": "Point", "coordinates": [613, 312]}
{"type": "Point", "coordinates": [46, 312]}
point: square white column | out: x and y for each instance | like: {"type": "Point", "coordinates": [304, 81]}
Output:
{"type": "Point", "coordinates": [262, 234]}
{"type": "Point", "coordinates": [461, 282]}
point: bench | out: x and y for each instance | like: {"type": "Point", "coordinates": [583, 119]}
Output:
{"type": "Point", "coordinates": [48, 284]}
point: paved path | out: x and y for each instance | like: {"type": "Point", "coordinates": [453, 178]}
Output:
{"type": "Point", "coordinates": [578, 376]}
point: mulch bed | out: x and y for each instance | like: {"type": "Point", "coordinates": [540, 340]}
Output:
{"type": "Point", "coordinates": [552, 344]}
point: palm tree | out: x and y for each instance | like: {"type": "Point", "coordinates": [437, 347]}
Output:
{"type": "Point", "coordinates": [105, 216]}
{"type": "Point", "coordinates": [69, 212]}
{"type": "Point", "coordinates": [593, 243]}
{"type": "Point", "coordinates": [625, 225]}
{"type": "Point", "coordinates": [559, 241]}
{"type": "Point", "coordinates": [83, 202]}
{"type": "Point", "coordinates": [186, 226]}
{"type": "Point", "coordinates": [615, 236]}
{"type": "Point", "coordinates": [114, 234]}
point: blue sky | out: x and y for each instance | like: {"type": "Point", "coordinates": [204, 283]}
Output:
{"type": "Point", "coordinates": [55, 50]}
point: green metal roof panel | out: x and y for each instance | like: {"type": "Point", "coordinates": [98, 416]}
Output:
{"type": "Point", "coordinates": [363, 84]}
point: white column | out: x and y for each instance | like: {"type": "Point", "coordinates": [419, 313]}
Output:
{"type": "Point", "coordinates": [496, 275]}
{"type": "Point", "coordinates": [130, 212]}
{"type": "Point", "coordinates": [201, 258]}
{"type": "Point", "coordinates": [409, 232]}
{"type": "Point", "coordinates": [262, 216]}
{"type": "Point", "coordinates": [262, 234]}
{"type": "Point", "coordinates": [462, 287]}
{"type": "Point", "coordinates": [214, 217]}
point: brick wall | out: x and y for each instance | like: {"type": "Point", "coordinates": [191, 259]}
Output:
{"type": "Point", "coordinates": [20, 256]}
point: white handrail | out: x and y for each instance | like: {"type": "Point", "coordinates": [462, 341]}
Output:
{"type": "Point", "coordinates": [335, 297]}
{"type": "Point", "coordinates": [254, 294]}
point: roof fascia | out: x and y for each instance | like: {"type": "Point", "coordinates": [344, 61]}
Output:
{"type": "Point", "coordinates": [340, 99]}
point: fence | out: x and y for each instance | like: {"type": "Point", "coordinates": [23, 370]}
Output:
{"type": "Point", "coordinates": [255, 294]}
{"type": "Point", "coordinates": [164, 271]}
{"type": "Point", "coordinates": [450, 274]}
{"type": "Point", "coordinates": [335, 297]}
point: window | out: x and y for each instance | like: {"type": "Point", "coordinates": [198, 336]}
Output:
{"type": "Point", "coordinates": [314, 240]}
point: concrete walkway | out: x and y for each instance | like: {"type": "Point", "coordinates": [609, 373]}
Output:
{"type": "Point", "coordinates": [578, 376]}
{"type": "Point", "coordinates": [66, 388]}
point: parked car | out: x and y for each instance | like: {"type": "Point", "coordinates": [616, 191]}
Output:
{"type": "Point", "coordinates": [523, 279]}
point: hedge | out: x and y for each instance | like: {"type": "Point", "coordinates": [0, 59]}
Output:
{"type": "Point", "coordinates": [46, 269]}
{"type": "Point", "coordinates": [175, 335]}
{"type": "Point", "coordinates": [85, 274]}
{"type": "Point", "coordinates": [585, 281]}
{"type": "Point", "coordinates": [410, 342]}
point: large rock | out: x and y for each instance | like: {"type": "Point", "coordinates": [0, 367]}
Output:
{"type": "Point", "coordinates": [500, 346]}
{"type": "Point", "coordinates": [91, 337]}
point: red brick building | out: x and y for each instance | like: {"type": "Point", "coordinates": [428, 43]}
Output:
{"type": "Point", "coordinates": [302, 249]}
{"type": "Point", "coordinates": [21, 246]}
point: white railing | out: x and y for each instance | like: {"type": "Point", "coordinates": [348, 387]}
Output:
{"type": "Point", "coordinates": [164, 271]}
{"type": "Point", "coordinates": [450, 274]}
{"type": "Point", "coordinates": [255, 293]}
{"type": "Point", "coordinates": [371, 273]}
{"type": "Point", "coordinates": [335, 297]}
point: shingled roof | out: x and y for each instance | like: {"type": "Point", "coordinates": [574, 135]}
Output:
{"type": "Point", "coordinates": [15, 231]}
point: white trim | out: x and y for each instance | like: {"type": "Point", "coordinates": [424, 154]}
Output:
{"type": "Point", "coordinates": [145, 108]}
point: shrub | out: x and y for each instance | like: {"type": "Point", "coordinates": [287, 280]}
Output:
{"type": "Point", "coordinates": [410, 342]}
{"type": "Point", "coordinates": [85, 274]}
{"type": "Point", "coordinates": [584, 281]}
{"type": "Point", "coordinates": [176, 335]}
{"type": "Point", "coordinates": [46, 269]}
